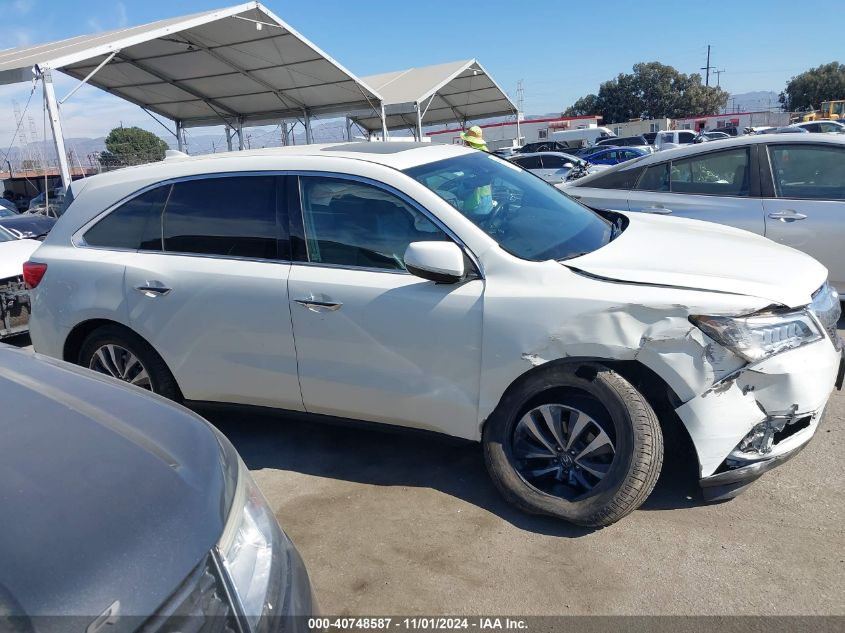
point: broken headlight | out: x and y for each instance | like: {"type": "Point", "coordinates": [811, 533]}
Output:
{"type": "Point", "coordinates": [757, 336]}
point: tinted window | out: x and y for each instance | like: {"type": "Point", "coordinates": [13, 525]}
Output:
{"type": "Point", "coordinates": [529, 162]}
{"type": "Point", "coordinates": [134, 225]}
{"type": "Point", "coordinates": [808, 171]}
{"type": "Point", "coordinates": [616, 179]}
{"type": "Point", "coordinates": [655, 178]}
{"type": "Point", "coordinates": [686, 137]}
{"type": "Point", "coordinates": [355, 224]}
{"type": "Point", "coordinates": [813, 127]}
{"type": "Point", "coordinates": [224, 216]}
{"type": "Point", "coordinates": [526, 216]}
{"type": "Point", "coordinates": [552, 162]}
{"type": "Point", "coordinates": [717, 173]}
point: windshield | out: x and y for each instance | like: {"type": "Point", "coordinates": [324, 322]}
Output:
{"type": "Point", "coordinates": [526, 216]}
{"type": "Point", "coordinates": [6, 213]}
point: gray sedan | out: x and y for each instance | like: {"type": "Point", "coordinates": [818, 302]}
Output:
{"type": "Point", "coordinates": [788, 187]}
{"type": "Point", "coordinates": [121, 505]}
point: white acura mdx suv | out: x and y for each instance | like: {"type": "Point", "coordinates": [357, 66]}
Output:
{"type": "Point", "coordinates": [444, 289]}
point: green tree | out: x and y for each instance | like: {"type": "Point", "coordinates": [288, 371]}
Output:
{"type": "Point", "coordinates": [807, 90]}
{"type": "Point", "coordinates": [132, 146]}
{"type": "Point", "coordinates": [652, 91]}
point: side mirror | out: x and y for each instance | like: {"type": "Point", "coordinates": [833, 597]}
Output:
{"type": "Point", "coordinates": [441, 262]}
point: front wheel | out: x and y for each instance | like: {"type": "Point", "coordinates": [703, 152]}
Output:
{"type": "Point", "coordinates": [577, 443]}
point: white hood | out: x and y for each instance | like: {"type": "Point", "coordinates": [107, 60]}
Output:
{"type": "Point", "coordinates": [13, 254]}
{"type": "Point", "coordinates": [702, 255]}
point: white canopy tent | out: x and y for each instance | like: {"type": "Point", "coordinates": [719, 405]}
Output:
{"type": "Point", "coordinates": [457, 91]}
{"type": "Point", "coordinates": [236, 66]}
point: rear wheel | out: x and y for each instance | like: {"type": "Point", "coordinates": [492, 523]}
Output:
{"type": "Point", "coordinates": [117, 352]}
{"type": "Point", "coordinates": [578, 443]}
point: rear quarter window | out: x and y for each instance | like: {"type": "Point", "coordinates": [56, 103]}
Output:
{"type": "Point", "coordinates": [134, 225]}
{"type": "Point", "coordinates": [616, 179]}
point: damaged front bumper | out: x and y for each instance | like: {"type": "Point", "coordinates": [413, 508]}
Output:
{"type": "Point", "coordinates": [760, 416]}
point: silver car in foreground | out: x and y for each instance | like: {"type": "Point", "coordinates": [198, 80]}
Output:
{"type": "Point", "coordinates": [788, 187]}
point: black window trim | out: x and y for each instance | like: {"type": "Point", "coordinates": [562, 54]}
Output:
{"type": "Point", "coordinates": [766, 156]}
{"type": "Point", "coordinates": [78, 238]}
{"type": "Point", "coordinates": [298, 224]}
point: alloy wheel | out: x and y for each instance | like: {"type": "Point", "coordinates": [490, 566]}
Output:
{"type": "Point", "coordinates": [562, 450]}
{"type": "Point", "coordinates": [119, 362]}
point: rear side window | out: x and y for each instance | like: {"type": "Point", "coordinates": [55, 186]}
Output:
{"type": "Point", "coordinates": [810, 172]}
{"type": "Point", "coordinates": [655, 178]}
{"type": "Point", "coordinates": [529, 162]}
{"type": "Point", "coordinates": [716, 173]}
{"type": "Point", "coordinates": [617, 179]}
{"type": "Point", "coordinates": [134, 225]}
{"type": "Point", "coordinates": [229, 216]}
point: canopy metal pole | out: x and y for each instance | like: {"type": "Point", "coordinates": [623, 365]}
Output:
{"type": "Point", "coordinates": [229, 135]}
{"type": "Point", "coordinates": [240, 134]}
{"type": "Point", "coordinates": [383, 124]}
{"type": "Point", "coordinates": [419, 123]}
{"type": "Point", "coordinates": [56, 124]}
{"type": "Point", "coordinates": [348, 129]}
{"type": "Point", "coordinates": [309, 137]}
{"type": "Point", "coordinates": [179, 141]}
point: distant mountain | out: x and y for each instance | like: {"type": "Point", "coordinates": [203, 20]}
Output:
{"type": "Point", "coordinates": [759, 101]}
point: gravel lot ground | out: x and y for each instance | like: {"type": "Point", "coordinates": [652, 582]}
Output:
{"type": "Point", "coordinates": [398, 524]}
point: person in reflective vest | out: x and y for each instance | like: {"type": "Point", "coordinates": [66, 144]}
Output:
{"type": "Point", "coordinates": [480, 199]}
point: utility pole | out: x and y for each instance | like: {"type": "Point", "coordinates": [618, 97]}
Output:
{"type": "Point", "coordinates": [718, 74]}
{"type": "Point", "coordinates": [520, 97]}
{"type": "Point", "coordinates": [707, 67]}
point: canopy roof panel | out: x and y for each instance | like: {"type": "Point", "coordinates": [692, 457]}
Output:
{"type": "Point", "coordinates": [456, 91]}
{"type": "Point", "coordinates": [207, 68]}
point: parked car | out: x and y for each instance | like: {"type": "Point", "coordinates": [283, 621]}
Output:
{"type": "Point", "coordinates": [442, 288]}
{"type": "Point", "coordinates": [614, 155]}
{"type": "Point", "coordinates": [639, 142]}
{"type": "Point", "coordinates": [6, 212]}
{"type": "Point", "coordinates": [158, 515]}
{"type": "Point", "coordinates": [7, 207]}
{"type": "Point", "coordinates": [712, 135]}
{"type": "Point", "coordinates": [789, 129]}
{"type": "Point", "coordinates": [28, 225]}
{"type": "Point", "coordinates": [790, 188]}
{"type": "Point", "coordinates": [650, 137]}
{"type": "Point", "coordinates": [51, 205]}
{"type": "Point", "coordinates": [581, 136]}
{"type": "Point", "coordinates": [543, 146]}
{"type": "Point", "coordinates": [14, 298]}
{"type": "Point", "coordinates": [821, 126]}
{"type": "Point", "coordinates": [731, 130]}
{"type": "Point", "coordinates": [670, 139]}
{"type": "Point", "coordinates": [553, 167]}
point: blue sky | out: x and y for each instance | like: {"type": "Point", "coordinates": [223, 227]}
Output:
{"type": "Point", "coordinates": [560, 50]}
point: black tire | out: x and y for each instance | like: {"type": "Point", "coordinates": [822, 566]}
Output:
{"type": "Point", "coordinates": [162, 381]}
{"type": "Point", "coordinates": [638, 443]}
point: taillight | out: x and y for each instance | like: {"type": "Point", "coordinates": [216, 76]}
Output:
{"type": "Point", "coordinates": [33, 273]}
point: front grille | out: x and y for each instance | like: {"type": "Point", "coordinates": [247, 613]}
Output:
{"type": "Point", "coordinates": [14, 306]}
{"type": "Point", "coordinates": [199, 605]}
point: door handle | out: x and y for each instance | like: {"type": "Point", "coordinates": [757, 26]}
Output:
{"type": "Point", "coordinates": [658, 210]}
{"type": "Point", "coordinates": [787, 215]}
{"type": "Point", "coordinates": [316, 306]}
{"type": "Point", "coordinates": [153, 289]}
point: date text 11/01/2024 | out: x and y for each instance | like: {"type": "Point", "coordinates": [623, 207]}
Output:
{"type": "Point", "coordinates": [418, 623]}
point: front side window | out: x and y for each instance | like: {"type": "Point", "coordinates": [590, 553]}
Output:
{"type": "Point", "coordinates": [526, 216]}
{"type": "Point", "coordinates": [716, 173]}
{"type": "Point", "coordinates": [134, 225]}
{"type": "Point", "coordinates": [686, 137]}
{"type": "Point", "coordinates": [812, 172]}
{"type": "Point", "coordinates": [552, 162]}
{"type": "Point", "coordinates": [354, 224]}
{"type": "Point", "coordinates": [229, 216]}
{"type": "Point", "coordinates": [655, 178]}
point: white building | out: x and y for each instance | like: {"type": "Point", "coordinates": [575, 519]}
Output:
{"type": "Point", "coordinates": [639, 126]}
{"type": "Point", "coordinates": [734, 119]}
{"type": "Point", "coordinates": [504, 134]}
